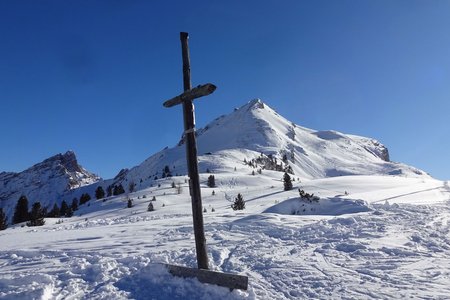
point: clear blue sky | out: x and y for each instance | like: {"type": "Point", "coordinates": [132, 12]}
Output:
{"type": "Point", "coordinates": [91, 76]}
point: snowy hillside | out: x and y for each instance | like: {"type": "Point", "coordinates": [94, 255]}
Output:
{"type": "Point", "coordinates": [256, 132]}
{"type": "Point", "coordinates": [46, 181]}
{"type": "Point", "coordinates": [367, 237]}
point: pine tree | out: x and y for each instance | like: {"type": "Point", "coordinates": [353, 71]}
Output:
{"type": "Point", "coordinates": [130, 203]}
{"type": "Point", "coordinates": [69, 212]}
{"type": "Point", "coordinates": [100, 193]}
{"type": "Point", "coordinates": [150, 207]}
{"type": "Point", "coordinates": [239, 203]}
{"type": "Point", "coordinates": [54, 213]}
{"type": "Point", "coordinates": [64, 208]}
{"type": "Point", "coordinates": [287, 182]}
{"type": "Point", "coordinates": [84, 198]}
{"type": "Point", "coordinates": [3, 220]}
{"type": "Point", "coordinates": [37, 215]}
{"type": "Point", "coordinates": [211, 181]}
{"type": "Point", "coordinates": [21, 211]}
{"type": "Point", "coordinates": [118, 189]}
{"type": "Point", "coordinates": [74, 205]}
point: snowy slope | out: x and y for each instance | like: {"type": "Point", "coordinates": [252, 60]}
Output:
{"type": "Point", "coordinates": [389, 239]}
{"type": "Point", "coordinates": [255, 130]}
{"type": "Point", "coordinates": [46, 181]}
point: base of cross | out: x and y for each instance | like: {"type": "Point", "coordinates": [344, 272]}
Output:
{"type": "Point", "coordinates": [231, 281]}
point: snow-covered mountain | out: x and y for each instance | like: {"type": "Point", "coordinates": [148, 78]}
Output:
{"type": "Point", "coordinates": [253, 133]}
{"type": "Point", "coordinates": [46, 181]}
{"type": "Point", "coordinates": [266, 140]}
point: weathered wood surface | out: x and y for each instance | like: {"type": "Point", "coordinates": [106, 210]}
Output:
{"type": "Point", "coordinates": [232, 281]}
{"type": "Point", "coordinates": [191, 94]}
{"type": "Point", "coordinates": [191, 157]}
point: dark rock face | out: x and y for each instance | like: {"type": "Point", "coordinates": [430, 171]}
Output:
{"type": "Point", "coordinates": [45, 181]}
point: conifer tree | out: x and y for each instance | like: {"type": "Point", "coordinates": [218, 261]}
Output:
{"type": "Point", "coordinates": [130, 203]}
{"type": "Point", "coordinates": [118, 189]}
{"type": "Point", "coordinates": [54, 213]}
{"type": "Point", "coordinates": [100, 193]}
{"type": "Point", "coordinates": [69, 212]}
{"type": "Point", "coordinates": [37, 215]}
{"type": "Point", "coordinates": [84, 198]}
{"type": "Point", "coordinates": [150, 207]}
{"type": "Point", "coordinates": [64, 208]}
{"type": "Point", "coordinates": [21, 211]}
{"type": "Point", "coordinates": [3, 220]}
{"type": "Point", "coordinates": [287, 182]}
{"type": "Point", "coordinates": [74, 205]}
{"type": "Point", "coordinates": [239, 203]}
{"type": "Point", "coordinates": [211, 181]}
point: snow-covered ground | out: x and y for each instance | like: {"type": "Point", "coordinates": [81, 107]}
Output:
{"type": "Point", "coordinates": [376, 237]}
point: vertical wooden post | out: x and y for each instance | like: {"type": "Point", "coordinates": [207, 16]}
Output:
{"type": "Point", "coordinates": [191, 154]}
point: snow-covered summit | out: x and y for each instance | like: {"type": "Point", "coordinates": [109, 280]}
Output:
{"type": "Point", "coordinates": [45, 181]}
{"type": "Point", "coordinates": [257, 134]}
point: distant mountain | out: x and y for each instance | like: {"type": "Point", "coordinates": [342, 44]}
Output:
{"type": "Point", "coordinates": [266, 140]}
{"type": "Point", "coordinates": [46, 181]}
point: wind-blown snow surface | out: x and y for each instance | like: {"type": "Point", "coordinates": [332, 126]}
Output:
{"type": "Point", "coordinates": [391, 241]}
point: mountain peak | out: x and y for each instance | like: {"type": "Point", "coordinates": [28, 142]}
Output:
{"type": "Point", "coordinates": [252, 105]}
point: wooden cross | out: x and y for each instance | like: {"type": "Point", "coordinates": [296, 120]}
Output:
{"type": "Point", "coordinates": [231, 281]}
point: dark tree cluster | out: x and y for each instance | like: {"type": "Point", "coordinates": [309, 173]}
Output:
{"type": "Point", "coordinates": [268, 162]}
{"type": "Point", "coordinates": [37, 215]}
{"type": "Point", "coordinates": [118, 190]}
{"type": "Point", "coordinates": [166, 172]}
{"type": "Point", "coordinates": [211, 181]}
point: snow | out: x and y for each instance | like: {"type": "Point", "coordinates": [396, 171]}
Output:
{"type": "Point", "coordinates": [379, 230]}
{"type": "Point", "coordinates": [381, 242]}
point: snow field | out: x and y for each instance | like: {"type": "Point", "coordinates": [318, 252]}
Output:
{"type": "Point", "coordinates": [398, 247]}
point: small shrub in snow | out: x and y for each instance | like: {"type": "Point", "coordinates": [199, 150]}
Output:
{"type": "Point", "coordinates": [239, 203]}
{"type": "Point", "coordinates": [130, 203]}
{"type": "Point", "coordinates": [213, 193]}
{"type": "Point", "coordinates": [204, 210]}
{"type": "Point", "coordinates": [150, 207]}
{"type": "Point", "coordinates": [145, 196]}
{"type": "Point", "coordinates": [307, 196]}
{"type": "Point", "coordinates": [213, 210]}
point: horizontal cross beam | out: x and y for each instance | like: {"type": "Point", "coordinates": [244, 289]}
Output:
{"type": "Point", "coordinates": [197, 92]}
{"type": "Point", "coordinates": [231, 281]}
